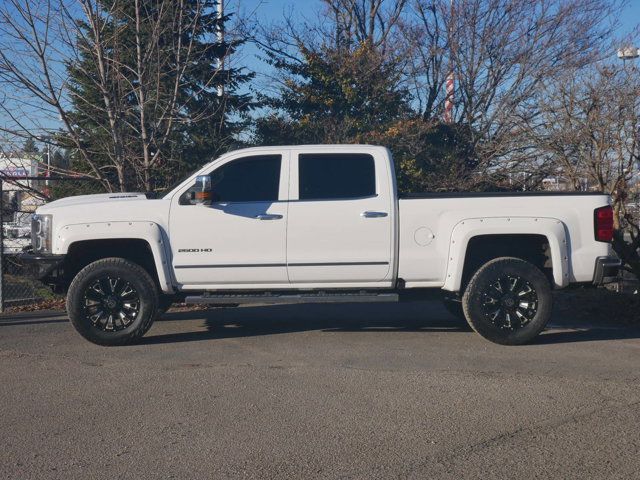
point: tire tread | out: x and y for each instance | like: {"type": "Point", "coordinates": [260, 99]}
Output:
{"type": "Point", "coordinates": [477, 324]}
{"type": "Point", "coordinates": [150, 291]}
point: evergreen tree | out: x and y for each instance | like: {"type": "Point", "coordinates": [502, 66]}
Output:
{"type": "Point", "coordinates": [144, 93]}
{"type": "Point", "coordinates": [335, 95]}
{"type": "Point", "coordinates": [30, 146]}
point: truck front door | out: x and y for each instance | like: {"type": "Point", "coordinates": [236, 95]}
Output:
{"type": "Point", "coordinates": [240, 239]}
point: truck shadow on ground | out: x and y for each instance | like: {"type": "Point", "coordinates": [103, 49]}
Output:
{"type": "Point", "coordinates": [32, 318]}
{"type": "Point", "coordinates": [418, 317]}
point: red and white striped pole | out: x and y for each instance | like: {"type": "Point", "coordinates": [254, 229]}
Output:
{"type": "Point", "coordinates": [448, 102]}
{"type": "Point", "coordinates": [451, 79]}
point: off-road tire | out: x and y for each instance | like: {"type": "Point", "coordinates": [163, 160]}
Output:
{"type": "Point", "coordinates": [137, 277]}
{"type": "Point", "coordinates": [478, 290]}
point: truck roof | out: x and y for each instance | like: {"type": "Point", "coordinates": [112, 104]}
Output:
{"type": "Point", "coordinates": [333, 146]}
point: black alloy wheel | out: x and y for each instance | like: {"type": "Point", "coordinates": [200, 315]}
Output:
{"type": "Point", "coordinates": [112, 301]}
{"type": "Point", "coordinates": [508, 301]}
{"type": "Point", "coordinates": [111, 304]}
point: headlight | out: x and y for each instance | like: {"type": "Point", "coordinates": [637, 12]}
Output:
{"type": "Point", "coordinates": [41, 233]}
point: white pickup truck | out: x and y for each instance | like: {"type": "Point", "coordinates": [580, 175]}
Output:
{"type": "Point", "coordinates": [319, 223]}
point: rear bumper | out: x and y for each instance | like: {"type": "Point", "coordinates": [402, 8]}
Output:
{"type": "Point", "coordinates": [607, 270]}
{"type": "Point", "coordinates": [40, 266]}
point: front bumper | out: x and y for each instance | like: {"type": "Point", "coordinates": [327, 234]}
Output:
{"type": "Point", "coordinates": [40, 265]}
{"type": "Point", "coordinates": [607, 270]}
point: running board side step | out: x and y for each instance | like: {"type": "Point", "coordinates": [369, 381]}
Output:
{"type": "Point", "coordinates": [276, 299]}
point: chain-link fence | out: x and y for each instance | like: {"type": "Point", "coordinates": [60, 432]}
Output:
{"type": "Point", "coordinates": [19, 199]}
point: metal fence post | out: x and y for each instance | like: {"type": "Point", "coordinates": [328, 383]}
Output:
{"type": "Point", "coordinates": [1, 247]}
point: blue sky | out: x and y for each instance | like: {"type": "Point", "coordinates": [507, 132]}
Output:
{"type": "Point", "coordinates": [273, 9]}
{"type": "Point", "coordinates": [630, 17]}
{"type": "Point", "coordinates": [269, 11]}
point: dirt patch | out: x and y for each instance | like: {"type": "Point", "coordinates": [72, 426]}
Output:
{"type": "Point", "coordinates": [53, 304]}
{"type": "Point", "coordinates": [58, 304]}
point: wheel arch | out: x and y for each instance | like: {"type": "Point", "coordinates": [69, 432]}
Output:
{"type": "Point", "coordinates": [139, 242]}
{"type": "Point", "coordinates": [541, 241]}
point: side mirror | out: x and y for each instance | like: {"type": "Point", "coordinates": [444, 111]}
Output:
{"type": "Point", "coordinates": [203, 190]}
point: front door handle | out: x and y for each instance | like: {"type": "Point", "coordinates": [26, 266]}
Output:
{"type": "Point", "coordinates": [269, 216]}
{"type": "Point", "coordinates": [373, 214]}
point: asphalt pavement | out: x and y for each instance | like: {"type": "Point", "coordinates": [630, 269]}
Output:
{"type": "Point", "coordinates": [318, 391]}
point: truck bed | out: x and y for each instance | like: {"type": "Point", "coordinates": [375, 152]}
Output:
{"type": "Point", "coordinates": [433, 228]}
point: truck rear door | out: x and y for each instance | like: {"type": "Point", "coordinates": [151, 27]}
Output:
{"type": "Point", "coordinates": [340, 220]}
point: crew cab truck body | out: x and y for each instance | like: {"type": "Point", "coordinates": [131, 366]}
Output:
{"type": "Point", "coordinates": [317, 223]}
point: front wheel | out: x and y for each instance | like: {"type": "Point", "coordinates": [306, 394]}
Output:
{"type": "Point", "coordinates": [508, 301]}
{"type": "Point", "coordinates": [112, 302]}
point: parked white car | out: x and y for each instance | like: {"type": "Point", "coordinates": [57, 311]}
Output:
{"type": "Point", "coordinates": [17, 234]}
{"type": "Point", "coordinates": [320, 223]}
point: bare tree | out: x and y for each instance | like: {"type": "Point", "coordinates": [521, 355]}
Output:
{"type": "Point", "coordinates": [591, 135]}
{"type": "Point", "coordinates": [141, 100]}
{"type": "Point", "coordinates": [501, 53]}
{"type": "Point", "coordinates": [343, 25]}
{"type": "Point", "coordinates": [364, 21]}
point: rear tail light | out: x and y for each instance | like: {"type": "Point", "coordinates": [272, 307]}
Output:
{"type": "Point", "coordinates": [603, 224]}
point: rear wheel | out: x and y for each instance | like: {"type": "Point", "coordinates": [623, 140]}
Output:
{"type": "Point", "coordinates": [508, 301]}
{"type": "Point", "coordinates": [112, 302]}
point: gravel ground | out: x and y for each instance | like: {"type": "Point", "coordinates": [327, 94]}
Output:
{"type": "Point", "coordinates": [320, 391]}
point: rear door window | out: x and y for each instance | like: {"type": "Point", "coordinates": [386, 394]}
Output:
{"type": "Point", "coordinates": [325, 176]}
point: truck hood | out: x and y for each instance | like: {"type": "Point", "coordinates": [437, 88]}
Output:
{"type": "Point", "coordinates": [99, 198]}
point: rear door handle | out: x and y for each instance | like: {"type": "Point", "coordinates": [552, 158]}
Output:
{"type": "Point", "coordinates": [373, 214]}
{"type": "Point", "coordinates": [269, 216]}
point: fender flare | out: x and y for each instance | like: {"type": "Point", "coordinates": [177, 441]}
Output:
{"type": "Point", "coordinates": [551, 228]}
{"type": "Point", "coordinates": [138, 230]}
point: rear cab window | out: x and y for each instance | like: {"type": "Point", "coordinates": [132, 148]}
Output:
{"type": "Point", "coordinates": [336, 176]}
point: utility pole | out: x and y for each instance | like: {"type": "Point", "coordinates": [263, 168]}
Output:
{"type": "Point", "coordinates": [220, 38]}
{"type": "Point", "coordinates": [451, 79]}
{"type": "Point", "coordinates": [48, 164]}
{"type": "Point", "coordinates": [46, 190]}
